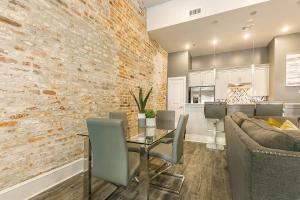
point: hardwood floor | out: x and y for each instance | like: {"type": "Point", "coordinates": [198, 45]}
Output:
{"type": "Point", "coordinates": [205, 171]}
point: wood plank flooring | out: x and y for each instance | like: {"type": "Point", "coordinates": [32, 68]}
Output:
{"type": "Point", "coordinates": [205, 171]}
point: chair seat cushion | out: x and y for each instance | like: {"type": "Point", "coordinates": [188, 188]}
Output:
{"type": "Point", "coordinates": [162, 151]}
{"type": "Point", "coordinates": [166, 140]}
{"type": "Point", "coordinates": [133, 147]}
{"type": "Point", "coordinates": [134, 162]}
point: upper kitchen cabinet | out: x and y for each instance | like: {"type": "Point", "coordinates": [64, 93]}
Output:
{"type": "Point", "coordinates": [222, 81]}
{"type": "Point", "coordinates": [260, 81]}
{"type": "Point", "coordinates": [238, 76]}
{"type": "Point", "coordinates": [202, 78]}
{"type": "Point", "coordinates": [208, 78]}
{"type": "Point", "coordinates": [194, 79]}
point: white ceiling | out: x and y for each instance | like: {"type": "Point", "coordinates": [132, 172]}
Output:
{"type": "Point", "coordinates": [270, 18]}
{"type": "Point", "coordinates": [150, 3]}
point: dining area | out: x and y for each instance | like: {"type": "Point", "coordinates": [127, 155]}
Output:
{"type": "Point", "coordinates": [118, 159]}
{"type": "Point", "coordinates": [119, 155]}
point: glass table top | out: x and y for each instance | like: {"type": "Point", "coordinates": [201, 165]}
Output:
{"type": "Point", "coordinates": [149, 136]}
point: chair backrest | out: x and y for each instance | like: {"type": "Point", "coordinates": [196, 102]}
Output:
{"type": "Point", "coordinates": [109, 150]}
{"type": "Point", "coordinates": [165, 119]}
{"type": "Point", "coordinates": [177, 150]}
{"type": "Point", "coordinates": [122, 116]}
{"type": "Point", "coordinates": [269, 109]}
{"type": "Point", "coordinates": [215, 110]}
{"type": "Point", "coordinates": [248, 109]}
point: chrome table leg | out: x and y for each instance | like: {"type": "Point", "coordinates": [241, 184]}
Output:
{"type": "Point", "coordinates": [90, 170]}
{"type": "Point", "coordinates": [144, 174]}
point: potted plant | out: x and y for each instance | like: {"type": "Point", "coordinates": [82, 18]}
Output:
{"type": "Point", "coordinates": [141, 103]}
{"type": "Point", "coordinates": [150, 118]}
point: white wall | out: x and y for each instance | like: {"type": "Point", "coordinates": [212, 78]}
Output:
{"type": "Point", "coordinates": [177, 11]}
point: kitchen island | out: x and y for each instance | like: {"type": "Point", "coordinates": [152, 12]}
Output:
{"type": "Point", "coordinates": [198, 126]}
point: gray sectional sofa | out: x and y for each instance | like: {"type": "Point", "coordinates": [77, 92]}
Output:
{"type": "Point", "coordinates": [263, 162]}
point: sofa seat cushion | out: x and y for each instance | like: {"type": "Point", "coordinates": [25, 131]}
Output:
{"type": "Point", "coordinates": [270, 137]}
{"type": "Point", "coordinates": [239, 118]}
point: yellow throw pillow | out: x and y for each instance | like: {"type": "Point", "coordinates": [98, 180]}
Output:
{"type": "Point", "coordinates": [288, 125]}
{"type": "Point", "coordinates": [274, 122]}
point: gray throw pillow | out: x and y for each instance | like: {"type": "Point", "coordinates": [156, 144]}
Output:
{"type": "Point", "coordinates": [269, 137]}
{"type": "Point", "coordinates": [239, 118]}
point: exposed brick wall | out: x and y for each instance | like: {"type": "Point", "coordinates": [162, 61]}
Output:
{"type": "Point", "coordinates": [62, 61]}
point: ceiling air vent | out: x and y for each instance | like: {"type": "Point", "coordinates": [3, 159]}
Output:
{"type": "Point", "coordinates": [195, 11]}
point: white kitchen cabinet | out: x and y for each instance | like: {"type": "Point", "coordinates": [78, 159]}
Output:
{"type": "Point", "coordinates": [222, 81]}
{"type": "Point", "coordinates": [202, 78]}
{"type": "Point", "coordinates": [198, 126]}
{"type": "Point", "coordinates": [194, 79]}
{"type": "Point", "coordinates": [260, 81]}
{"type": "Point", "coordinates": [238, 76]}
{"type": "Point", "coordinates": [208, 78]}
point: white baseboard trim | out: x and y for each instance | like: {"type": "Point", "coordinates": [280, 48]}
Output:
{"type": "Point", "coordinates": [43, 182]}
{"type": "Point", "coordinates": [204, 139]}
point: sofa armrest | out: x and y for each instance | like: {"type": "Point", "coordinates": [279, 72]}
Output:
{"type": "Point", "coordinates": [275, 174]}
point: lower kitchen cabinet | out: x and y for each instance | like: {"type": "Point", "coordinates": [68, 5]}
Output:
{"type": "Point", "coordinates": [198, 126]}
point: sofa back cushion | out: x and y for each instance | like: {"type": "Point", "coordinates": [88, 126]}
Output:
{"type": "Point", "coordinates": [294, 120]}
{"type": "Point", "coordinates": [270, 137]}
{"type": "Point", "coordinates": [239, 118]}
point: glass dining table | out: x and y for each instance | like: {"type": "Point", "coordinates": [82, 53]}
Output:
{"type": "Point", "coordinates": [146, 139]}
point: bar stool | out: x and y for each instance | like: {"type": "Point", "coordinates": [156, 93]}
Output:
{"type": "Point", "coordinates": [214, 111]}
{"type": "Point", "coordinates": [269, 108]}
{"type": "Point", "coordinates": [248, 109]}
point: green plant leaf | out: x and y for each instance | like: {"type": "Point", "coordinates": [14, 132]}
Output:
{"type": "Point", "coordinates": [146, 98]}
{"type": "Point", "coordinates": [136, 101]}
{"type": "Point", "coordinates": [141, 99]}
{"type": "Point", "coordinates": [149, 113]}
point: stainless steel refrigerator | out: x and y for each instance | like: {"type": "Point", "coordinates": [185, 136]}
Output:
{"type": "Point", "coordinates": [201, 94]}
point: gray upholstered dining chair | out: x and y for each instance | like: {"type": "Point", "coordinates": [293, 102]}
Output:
{"type": "Point", "coordinates": [171, 153]}
{"type": "Point", "coordinates": [165, 119]}
{"type": "Point", "coordinates": [123, 116]}
{"type": "Point", "coordinates": [111, 160]}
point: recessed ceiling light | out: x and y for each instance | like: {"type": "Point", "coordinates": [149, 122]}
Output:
{"type": "Point", "coordinates": [247, 35]}
{"type": "Point", "coordinates": [187, 46]}
{"type": "Point", "coordinates": [214, 41]}
{"type": "Point", "coordinates": [285, 29]}
{"type": "Point", "coordinates": [250, 21]}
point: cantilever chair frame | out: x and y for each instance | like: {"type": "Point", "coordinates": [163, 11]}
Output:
{"type": "Point", "coordinates": [163, 170]}
{"type": "Point", "coordinates": [168, 164]}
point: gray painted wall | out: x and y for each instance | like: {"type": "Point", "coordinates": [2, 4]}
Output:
{"type": "Point", "coordinates": [178, 63]}
{"type": "Point", "coordinates": [279, 47]}
{"type": "Point", "coordinates": [231, 59]}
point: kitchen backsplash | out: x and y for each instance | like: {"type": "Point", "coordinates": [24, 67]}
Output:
{"type": "Point", "coordinates": [241, 95]}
